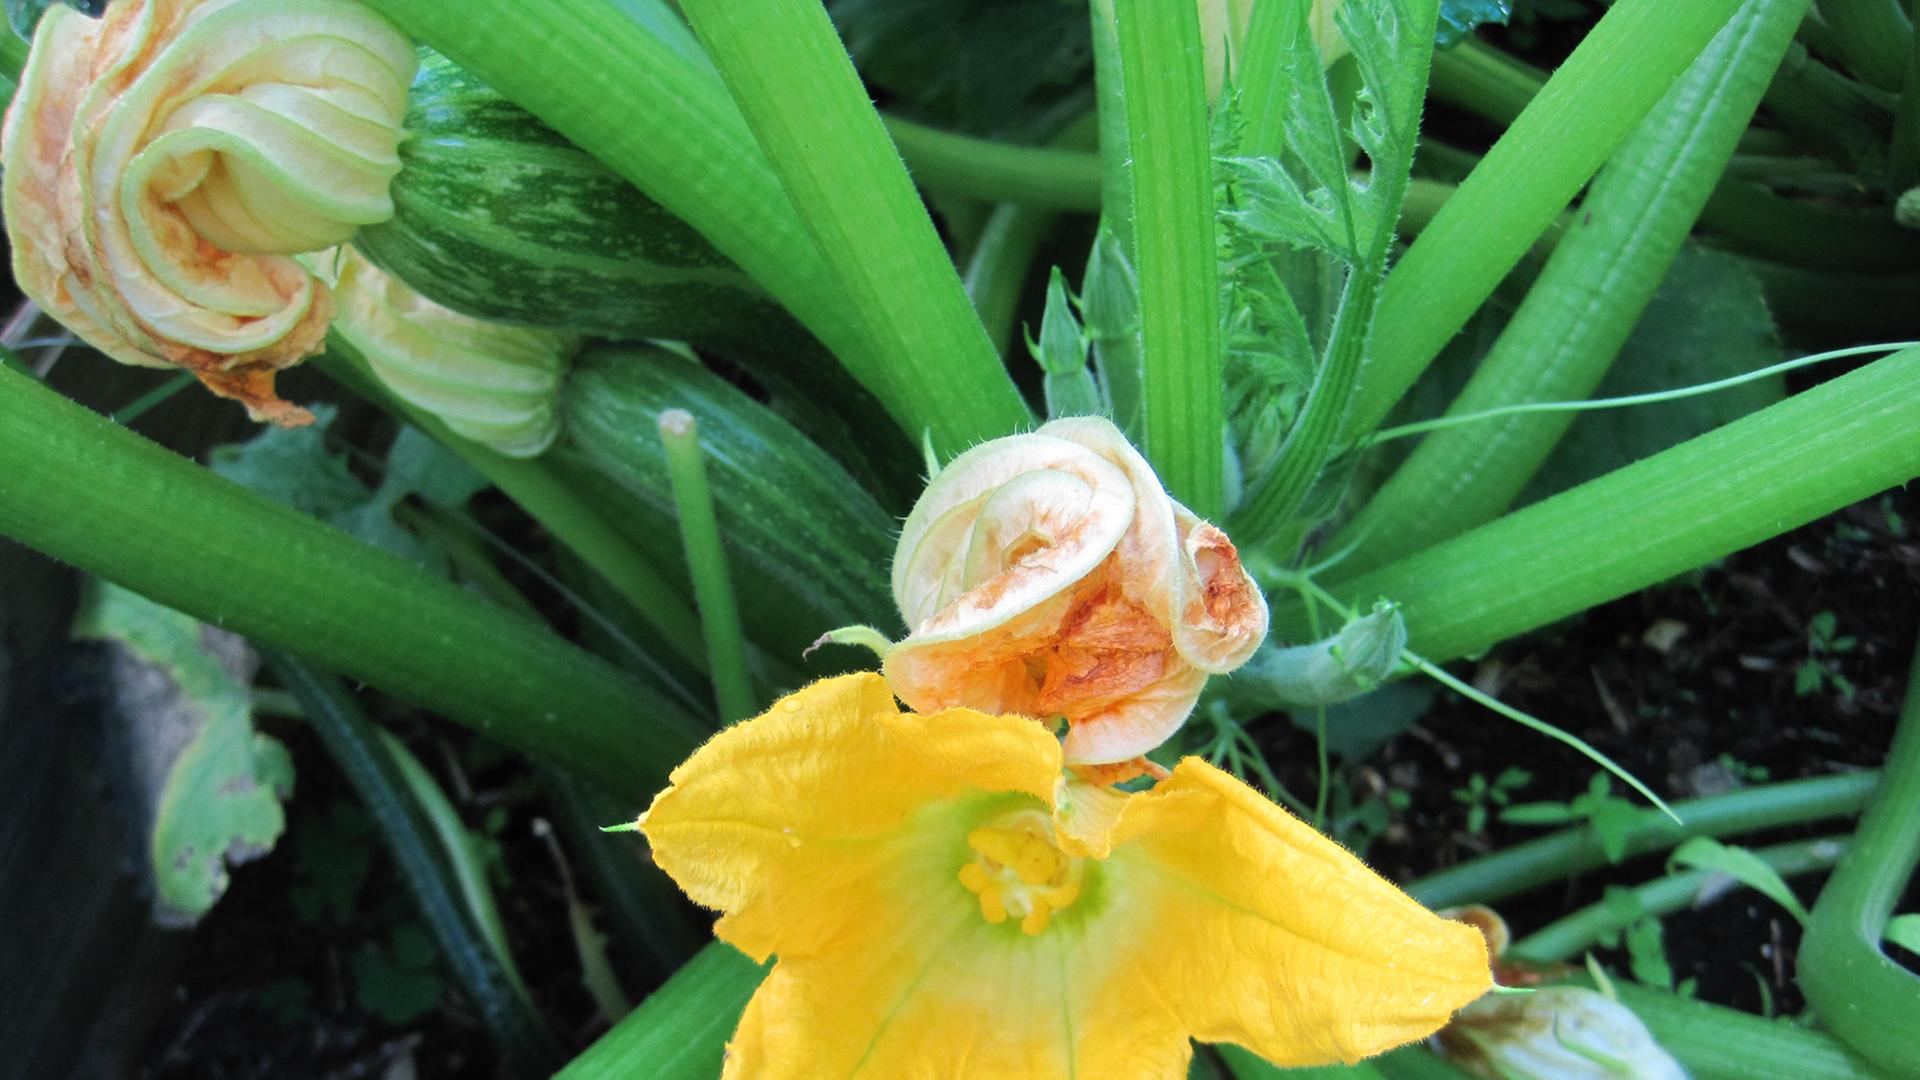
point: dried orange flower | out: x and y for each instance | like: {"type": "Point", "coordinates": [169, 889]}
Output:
{"type": "Point", "coordinates": [164, 161]}
{"type": "Point", "coordinates": [1050, 575]}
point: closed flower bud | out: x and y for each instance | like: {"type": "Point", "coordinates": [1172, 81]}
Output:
{"type": "Point", "coordinates": [496, 384]}
{"type": "Point", "coordinates": [164, 161]}
{"type": "Point", "coordinates": [1555, 1033]}
{"type": "Point", "coordinates": [1223, 35]}
{"type": "Point", "coordinates": [1051, 575]}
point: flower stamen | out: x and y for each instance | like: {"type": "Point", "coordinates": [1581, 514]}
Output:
{"type": "Point", "coordinates": [1018, 870]}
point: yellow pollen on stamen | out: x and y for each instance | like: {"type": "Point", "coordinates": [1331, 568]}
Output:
{"type": "Point", "coordinates": [1018, 871]}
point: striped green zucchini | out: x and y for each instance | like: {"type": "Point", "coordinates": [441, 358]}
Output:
{"type": "Point", "coordinates": [808, 547]}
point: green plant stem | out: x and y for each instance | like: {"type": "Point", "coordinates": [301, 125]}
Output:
{"type": "Point", "coordinates": [1816, 235]}
{"type": "Point", "coordinates": [1714, 1042]}
{"type": "Point", "coordinates": [141, 517]}
{"type": "Point", "coordinates": [1573, 934]}
{"type": "Point", "coordinates": [1824, 109]}
{"type": "Point", "coordinates": [1047, 177]}
{"type": "Point", "coordinates": [1485, 81]}
{"type": "Point", "coordinates": [1556, 856]}
{"type": "Point", "coordinates": [792, 79]}
{"type": "Point", "coordinates": [1622, 67]}
{"type": "Point", "coordinates": [1754, 478]}
{"type": "Point", "coordinates": [679, 1033]}
{"type": "Point", "coordinates": [1863, 996]}
{"type": "Point", "coordinates": [1176, 253]}
{"type": "Point", "coordinates": [1903, 158]}
{"type": "Point", "coordinates": [356, 745]}
{"type": "Point", "coordinates": [643, 905]}
{"type": "Point", "coordinates": [1110, 90]}
{"type": "Point", "coordinates": [1874, 38]}
{"type": "Point", "coordinates": [1565, 335]}
{"type": "Point", "coordinates": [1244, 1064]}
{"type": "Point", "coordinates": [999, 267]}
{"type": "Point", "coordinates": [535, 488]}
{"type": "Point", "coordinates": [707, 565]}
{"type": "Point", "coordinates": [456, 855]}
{"type": "Point", "coordinates": [665, 122]}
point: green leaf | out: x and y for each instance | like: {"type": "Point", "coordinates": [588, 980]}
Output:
{"type": "Point", "coordinates": [295, 467]}
{"type": "Point", "coordinates": [1743, 866]}
{"type": "Point", "coordinates": [399, 984]}
{"type": "Point", "coordinates": [205, 786]}
{"type": "Point", "coordinates": [1647, 954]}
{"type": "Point", "coordinates": [1904, 931]}
{"type": "Point", "coordinates": [1356, 728]}
{"type": "Point", "coordinates": [1458, 18]}
{"type": "Point", "coordinates": [1708, 321]}
{"type": "Point", "coordinates": [333, 852]}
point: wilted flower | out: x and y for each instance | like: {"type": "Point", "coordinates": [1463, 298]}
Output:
{"type": "Point", "coordinates": [945, 902]}
{"type": "Point", "coordinates": [492, 383]}
{"type": "Point", "coordinates": [1051, 575]}
{"type": "Point", "coordinates": [163, 162]}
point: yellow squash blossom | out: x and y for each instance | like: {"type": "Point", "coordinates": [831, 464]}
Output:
{"type": "Point", "coordinates": [164, 161]}
{"type": "Point", "coordinates": [1050, 574]}
{"type": "Point", "coordinates": [944, 902]}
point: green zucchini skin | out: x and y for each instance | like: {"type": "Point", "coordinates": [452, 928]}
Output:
{"type": "Point", "coordinates": [500, 217]}
{"type": "Point", "coordinates": [808, 547]}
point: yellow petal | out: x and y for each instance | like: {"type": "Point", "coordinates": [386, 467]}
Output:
{"type": "Point", "coordinates": [944, 994]}
{"type": "Point", "coordinates": [1257, 930]}
{"type": "Point", "coordinates": [823, 819]}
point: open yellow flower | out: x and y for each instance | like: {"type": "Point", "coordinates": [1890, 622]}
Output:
{"type": "Point", "coordinates": [944, 904]}
{"type": "Point", "coordinates": [164, 161]}
{"type": "Point", "coordinates": [1049, 574]}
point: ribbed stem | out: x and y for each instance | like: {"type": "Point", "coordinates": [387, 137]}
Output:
{"type": "Point", "coordinates": [1622, 67]}
{"type": "Point", "coordinates": [1040, 176]}
{"type": "Point", "coordinates": [707, 565]}
{"type": "Point", "coordinates": [1175, 250]}
{"type": "Point", "coordinates": [1874, 38]}
{"type": "Point", "coordinates": [1754, 478]}
{"type": "Point", "coordinates": [85, 491]}
{"type": "Point", "coordinates": [1718, 1043]}
{"type": "Point", "coordinates": [999, 266]}
{"type": "Point", "coordinates": [792, 79]}
{"type": "Point", "coordinates": [1485, 81]}
{"type": "Point", "coordinates": [680, 1033]}
{"type": "Point", "coordinates": [1564, 337]}
{"type": "Point", "coordinates": [1862, 995]}
{"type": "Point", "coordinates": [1570, 935]}
{"type": "Point", "coordinates": [1524, 866]}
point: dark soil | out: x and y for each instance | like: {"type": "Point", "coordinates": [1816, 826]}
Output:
{"type": "Point", "coordinates": [1692, 687]}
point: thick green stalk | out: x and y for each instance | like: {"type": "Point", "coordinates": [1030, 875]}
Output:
{"type": "Point", "coordinates": [1808, 233]}
{"type": "Point", "coordinates": [1041, 176]}
{"type": "Point", "coordinates": [792, 79]}
{"type": "Point", "coordinates": [1175, 251]}
{"type": "Point", "coordinates": [707, 565]}
{"type": "Point", "coordinates": [680, 1033]}
{"type": "Point", "coordinates": [535, 488]}
{"type": "Point", "coordinates": [1718, 1043]}
{"type": "Point", "coordinates": [1903, 159]}
{"type": "Point", "coordinates": [1757, 477]}
{"type": "Point", "coordinates": [83, 490]}
{"type": "Point", "coordinates": [667, 124]}
{"type": "Point", "coordinates": [1485, 81]}
{"type": "Point", "coordinates": [1557, 856]}
{"type": "Point", "coordinates": [1110, 89]}
{"type": "Point", "coordinates": [1244, 1064]}
{"type": "Point", "coordinates": [1570, 935]}
{"type": "Point", "coordinates": [1862, 995]}
{"type": "Point", "coordinates": [998, 268]}
{"type": "Point", "coordinates": [1622, 67]}
{"type": "Point", "coordinates": [1874, 38]}
{"type": "Point", "coordinates": [1580, 311]}
{"type": "Point", "coordinates": [356, 745]}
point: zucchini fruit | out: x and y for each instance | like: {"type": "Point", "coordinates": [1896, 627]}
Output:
{"type": "Point", "coordinates": [808, 547]}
